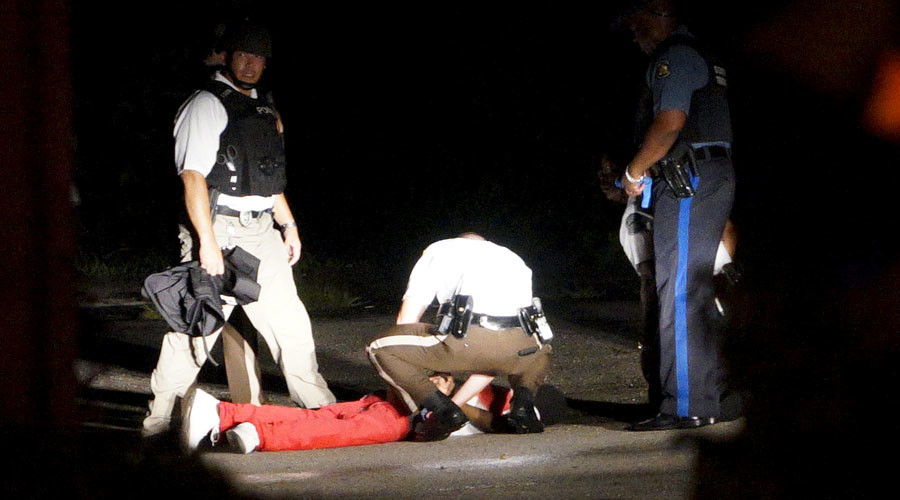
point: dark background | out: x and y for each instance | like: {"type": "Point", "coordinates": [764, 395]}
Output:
{"type": "Point", "coordinates": [407, 124]}
{"type": "Point", "coordinates": [404, 125]}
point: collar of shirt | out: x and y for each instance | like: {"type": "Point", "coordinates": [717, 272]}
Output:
{"type": "Point", "coordinates": [219, 77]}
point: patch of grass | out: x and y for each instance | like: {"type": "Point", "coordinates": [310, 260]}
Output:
{"type": "Point", "coordinates": [120, 264]}
{"type": "Point", "coordinates": [323, 284]}
{"type": "Point", "coordinates": [148, 311]}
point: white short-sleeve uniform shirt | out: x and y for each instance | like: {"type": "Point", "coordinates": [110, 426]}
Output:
{"type": "Point", "coordinates": [496, 278]}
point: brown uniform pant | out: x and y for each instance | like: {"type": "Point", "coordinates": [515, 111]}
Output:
{"type": "Point", "coordinates": [408, 354]}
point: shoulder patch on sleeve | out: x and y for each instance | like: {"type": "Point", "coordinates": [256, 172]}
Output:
{"type": "Point", "coordinates": [662, 69]}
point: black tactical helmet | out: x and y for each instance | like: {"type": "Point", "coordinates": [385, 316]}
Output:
{"type": "Point", "coordinates": [249, 37]}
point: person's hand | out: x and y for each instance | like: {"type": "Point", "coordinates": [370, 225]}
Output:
{"type": "Point", "coordinates": [211, 259]}
{"type": "Point", "coordinates": [292, 244]}
{"type": "Point", "coordinates": [607, 175]}
{"type": "Point", "coordinates": [444, 383]}
{"type": "Point", "coordinates": [632, 188]}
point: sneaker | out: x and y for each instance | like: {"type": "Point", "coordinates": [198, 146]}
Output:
{"type": "Point", "coordinates": [243, 437]}
{"type": "Point", "coordinates": [200, 418]}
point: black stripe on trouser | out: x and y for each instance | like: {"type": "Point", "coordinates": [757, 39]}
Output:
{"type": "Point", "coordinates": [686, 236]}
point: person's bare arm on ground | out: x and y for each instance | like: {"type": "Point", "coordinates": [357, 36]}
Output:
{"type": "Point", "coordinates": [481, 419]}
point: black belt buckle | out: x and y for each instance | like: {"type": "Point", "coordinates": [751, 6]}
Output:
{"type": "Point", "coordinates": [244, 216]}
{"type": "Point", "coordinates": [678, 175]}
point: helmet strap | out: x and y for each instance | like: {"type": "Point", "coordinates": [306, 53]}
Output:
{"type": "Point", "coordinates": [238, 83]}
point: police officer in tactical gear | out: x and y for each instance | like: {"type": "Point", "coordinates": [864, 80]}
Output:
{"type": "Point", "coordinates": [689, 139]}
{"type": "Point", "coordinates": [230, 155]}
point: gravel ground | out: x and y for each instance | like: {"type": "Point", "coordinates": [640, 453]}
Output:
{"type": "Point", "coordinates": [596, 385]}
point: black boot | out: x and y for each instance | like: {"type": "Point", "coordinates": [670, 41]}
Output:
{"type": "Point", "coordinates": [444, 418]}
{"type": "Point", "coordinates": [522, 419]}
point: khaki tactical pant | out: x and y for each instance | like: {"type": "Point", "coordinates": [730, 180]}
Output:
{"type": "Point", "coordinates": [278, 315]}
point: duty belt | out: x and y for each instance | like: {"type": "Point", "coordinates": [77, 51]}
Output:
{"type": "Point", "coordinates": [496, 322]}
{"type": "Point", "coordinates": [709, 153]}
{"type": "Point", "coordinates": [230, 212]}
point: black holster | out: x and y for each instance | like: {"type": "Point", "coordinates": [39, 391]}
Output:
{"type": "Point", "coordinates": [533, 321]}
{"type": "Point", "coordinates": [677, 168]}
{"type": "Point", "coordinates": [678, 175]}
{"type": "Point", "coordinates": [454, 316]}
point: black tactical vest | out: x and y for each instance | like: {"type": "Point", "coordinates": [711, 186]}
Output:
{"type": "Point", "coordinates": [250, 160]}
{"type": "Point", "coordinates": [709, 119]}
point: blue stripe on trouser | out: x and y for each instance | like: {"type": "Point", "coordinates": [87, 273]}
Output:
{"type": "Point", "coordinates": [683, 398]}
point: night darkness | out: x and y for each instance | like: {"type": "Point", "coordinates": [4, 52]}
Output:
{"type": "Point", "coordinates": [403, 126]}
{"type": "Point", "coordinates": [409, 124]}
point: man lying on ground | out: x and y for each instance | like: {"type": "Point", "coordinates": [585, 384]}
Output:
{"type": "Point", "coordinates": [381, 417]}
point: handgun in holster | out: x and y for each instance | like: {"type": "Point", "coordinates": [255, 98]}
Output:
{"type": "Point", "coordinates": [534, 323]}
{"type": "Point", "coordinates": [678, 175]}
{"type": "Point", "coordinates": [453, 317]}
{"type": "Point", "coordinates": [677, 168]}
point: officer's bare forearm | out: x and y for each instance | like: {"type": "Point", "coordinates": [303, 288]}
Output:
{"type": "Point", "coordinates": [410, 313]}
{"type": "Point", "coordinates": [472, 386]}
{"type": "Point", "coordinates": [660, 137]}
{"type": "Point", "coordinates": [196, 200]}
{"type": "Point", "coordinates": [281, 210]}
{"type": "Point", "coordinates": [290, 233]}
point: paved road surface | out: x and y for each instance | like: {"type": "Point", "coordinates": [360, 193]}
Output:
{"type": "Point", "coordinates": [586, 453]}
